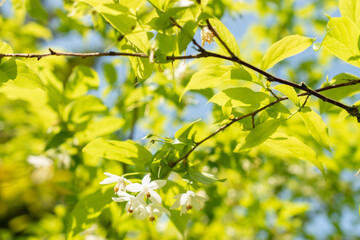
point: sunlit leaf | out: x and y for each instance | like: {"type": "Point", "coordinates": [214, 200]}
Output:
{"type": "Point", "coordinates": [284, 48]}
{"type": "Point", "coordinates": [284, 144]}
{"type": "Point", "coordinates": [343, 40]}
{"type": "Point", "coordinates": [19, 73]}
{"type": "Point", "coordinates": [82, 109]}
{"type": "Point", "coordinates": [87, 211]}
{"type": "Point", "coordinates": [80, 81]}
{"type": "Point", "coordinates": [186, 34]}
{"type": "Point", "coordinates": [339, 93]}
{"type": "Point", "coordinates": [115, 13]}
{"type": "Point", "coordinates": [241, 97]}
{"type": "Point", "coordinates": [214, 75]}
{"type": "Point", "coordinates": [350, 9]}
{"type": "Point", "coordinates": [127, 152]}
{"type": "Point", "coordinates": [260, 134]}
{"type": "Point", "coordinates": [5, 48]}
{"type": "Point", "coordinates": [316, 127]}
{"type": "Point", "coordinates": [289, 92]}
{"type": "Point", "coordinates": [183, 133]}
{"type": "Point", "coordinates": [226, 36]}
{"type": "Point", "coordinates": [202, 177]}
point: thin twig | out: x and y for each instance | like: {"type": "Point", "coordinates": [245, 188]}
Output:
{"type": "Point", "coordinates": [200, 48]}
{"type": "Point", "coordinates": [252, 114]}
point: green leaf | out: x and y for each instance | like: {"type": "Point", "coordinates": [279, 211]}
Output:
{"type": "Point", "coordinates": [36, 10]}
{"type": "Point", "coordinates": [183, 133]}
{"type": "Point", "coordinates": [286, 47]}
{"type": "Point", "coordinates": [350, 9]}
{"type": "Point", "coordinates": [58, 139]}
{"type": "Point", "coordinates": [104, 126]}
{"type": "Point", "coordinates": [214, 75]}
{"type": "Point", "coordinates": [259, 134]}
{"type": "Point", "coordinates": [110, 73]}
{"type": "Point", "coordinates": [118, 15]}
{"type": "Point", "coordinates": [202, 177]}
{"type": "Point", "coordinates": [5, 48]}
{"type": "Point", "coordinates": [17, 71]}
{"type": "Point", "coordinates": [180, 222]}
{"type": "Point", "coordinates": [82, 109]}
{"type": "Point", "coordinates": [87, 211]}
{"type": "Point", "coordinates": [343, 40]}
{"type": "Point", "coordinates": [158, 4]}
{"type": "Point", "coordinates": [226, 36]}
{"type": "Point", "coordinates": [226, 108]}
{"type": "Point", "coordinates": [289, 92]}
{"type": "Point", "coordinates": [186, 34]}
{"type": "Point", "coordinates": [241, 97]}
{"type": "Point", "coordinates": [80, 81]}
{"type": "Point", "coordinates": [128, 152]}
{"type": "Point", "coordinates": [339, 93]}
{"type": "Point", "coordinates": [316, 127]}
{"type": "Point", "coordinates": [281, 143]}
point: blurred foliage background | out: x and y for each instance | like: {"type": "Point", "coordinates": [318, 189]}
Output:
{"type": "Point", "coordinates": [267, 194]}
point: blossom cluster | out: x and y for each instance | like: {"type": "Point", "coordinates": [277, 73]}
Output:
{"type": "Point", "coordinates": [137, 205]}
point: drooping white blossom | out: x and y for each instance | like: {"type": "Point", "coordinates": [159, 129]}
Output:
{"type": "Point", "coordinates": [151, 211]}
{"type": "Point", "coordinates": [112, 178]}
{"type": "Point", "coordinates": [188, 201]}
{"type": "Point", "coordinates": [132, 202]}
{"type": "Point", "coordinates": [146, 188]}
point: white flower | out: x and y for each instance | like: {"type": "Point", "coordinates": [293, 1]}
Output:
{"type": "Point", "coordinates": [40, 161]}
{"type": "Point", "coordinates": [188, 201]}
{"type": "Point", "coordinates": [112, 178]}
{"type": "Point", "coordinates": [146, 188]}
{"type": "Point", "coordinates": [132, 202]}
{"type": "Point", "coordinates": [150, 211]}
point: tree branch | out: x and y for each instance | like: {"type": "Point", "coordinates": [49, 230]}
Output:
{"type": "Point", "coordinates": [352, 110]}
{"type": "Point", "coordinates": [254, 113]}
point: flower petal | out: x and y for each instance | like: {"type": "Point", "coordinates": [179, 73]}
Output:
{"type": "Point", "coordinates": [183, 199]}
{"type": "Point", "coordinates": [134, 187]}
{"type": "Point", "coordinates": [128, 181]}
{"type": "Point", "coordinates": [164, 210]}
{"type": "Point", "coordinates": [177, 196]}
{"type": "Point", "coordinates": [123, 194]}
{"type": "Point", "coordinates": [175, 205]}
{"type": "Point", "coordinates": [157, 184]}
{"type": "Point", "coordinates": [120, 199]}
{"type": "Point", "coordinates": [108, 180]}
{"type": "Point", "coordinates": [146, 180]}
{"type": "Point", "coordinates": [183, 210]}
{"type": "Point", "coordinates": [155, 197]}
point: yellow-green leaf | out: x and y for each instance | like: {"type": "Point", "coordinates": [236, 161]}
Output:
{"type": "Point", "coordinates": [350, 9]}
{"type": "Point", "coordinates": [118, 15]}
{"type": "Point", "coordinates": [19, 73]}
{"type": "Point", "coordinates": [289, 92]}
{"type": "Point", "coordinates": [5, 48]}
{"type": "Point", "coordinates": [282, 143]}
{"type": "Point", "coordinates": [241, 97]}
{"type": "Point", "coordinates": [316, 127]}
{"type": "Point", "coordinates": [226, 36]}
{"type": "Point", "coordinates": [286, 47]}
{"type": "Point", "coordinates": [87, 210]}
{"type": "Point", "coordinates": [128, 152]}
{"type": "Point", "coordinates": [36, 10]}
{"type": "Point", "coordinates": [259, 134]}
{"type": "Point", "coordinates": [214, 75]}
{"type": "Point", "coordinates": [342, 40]}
